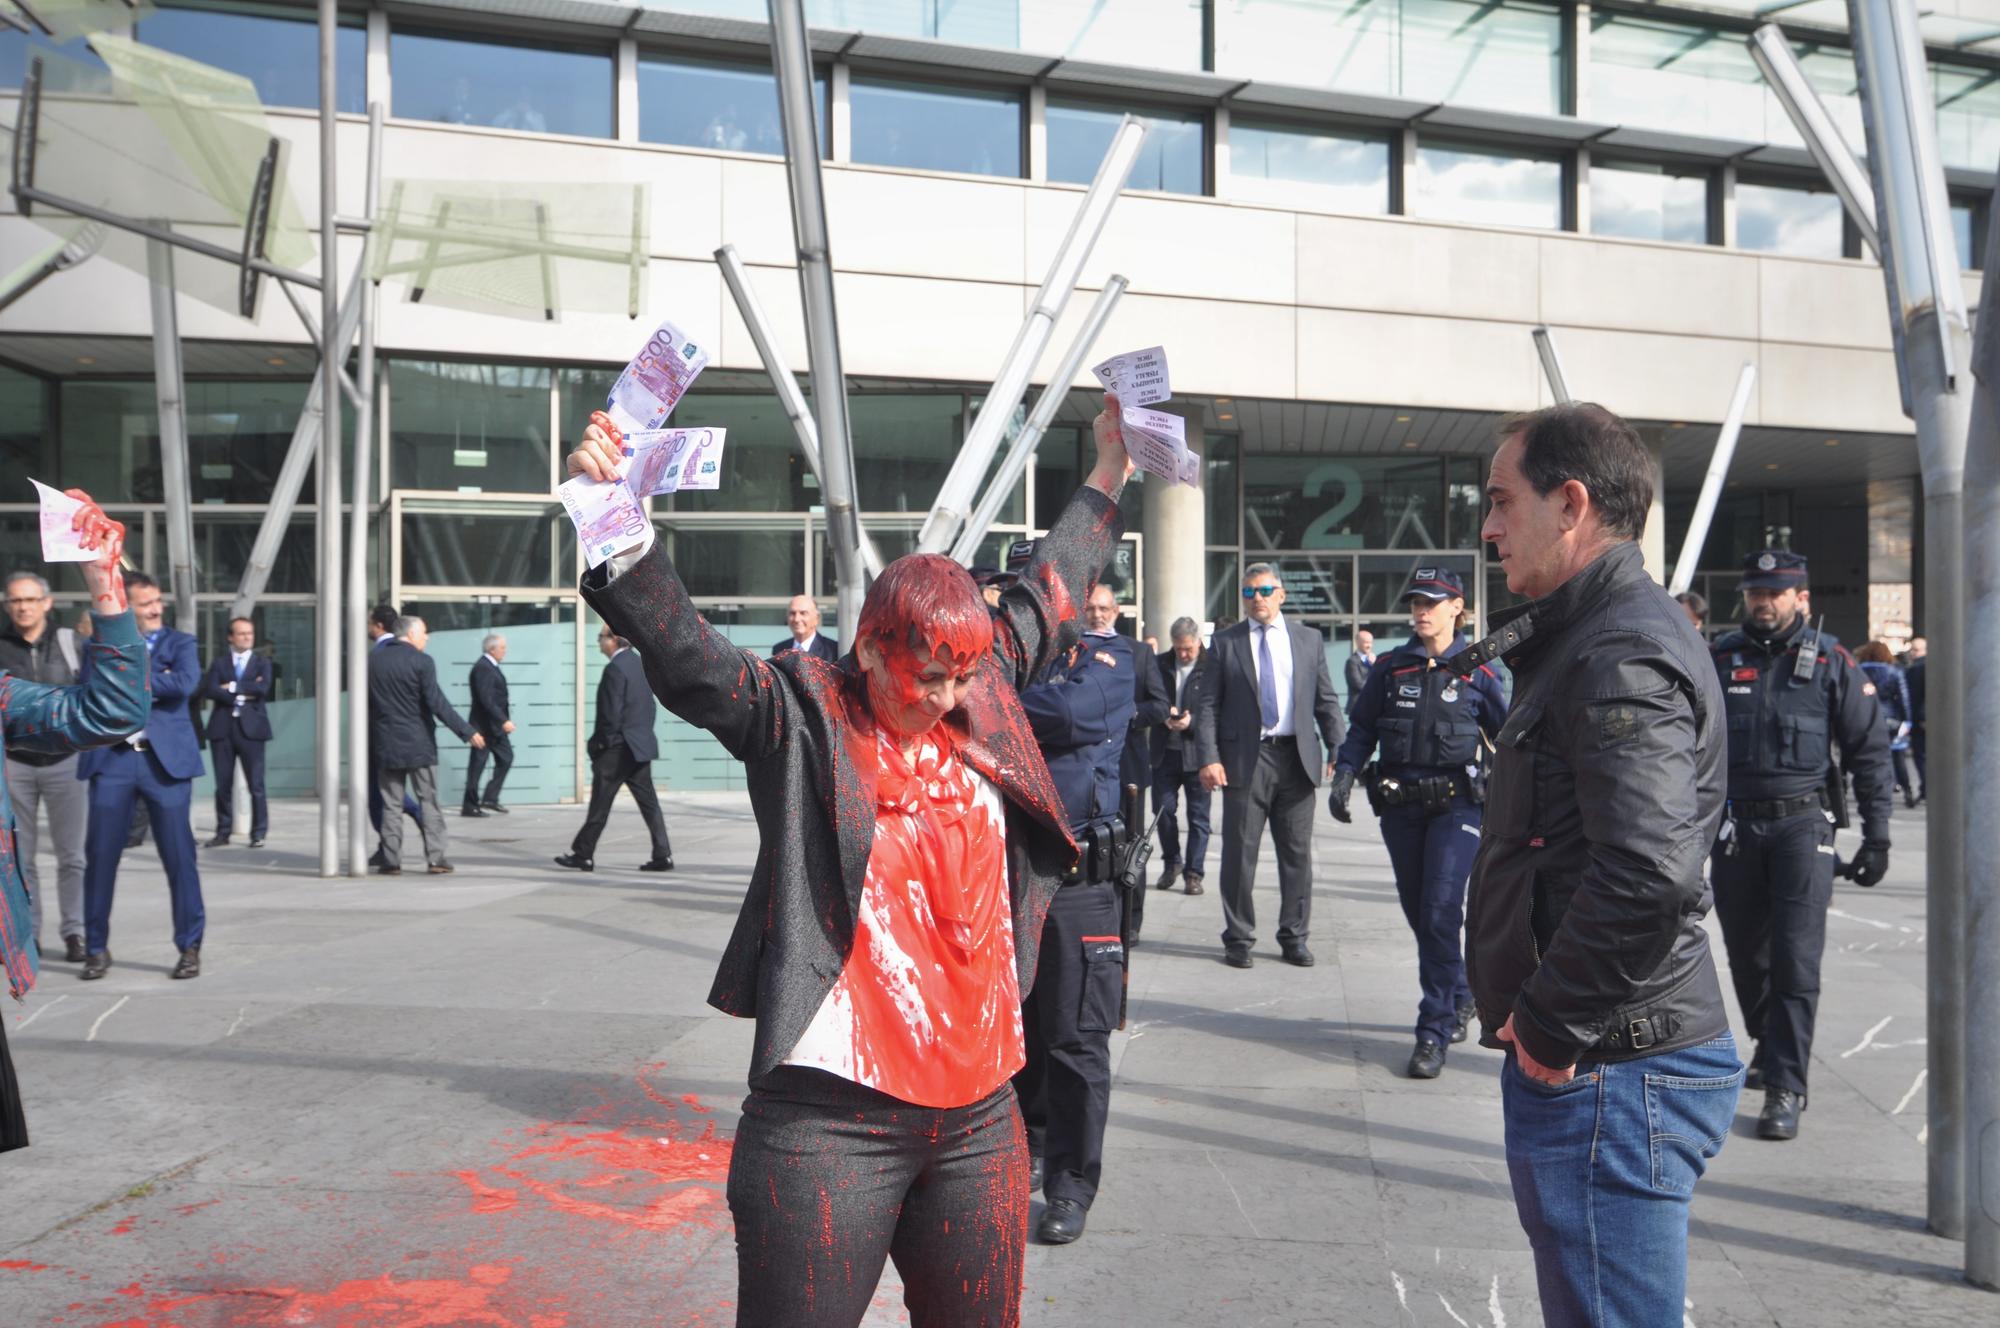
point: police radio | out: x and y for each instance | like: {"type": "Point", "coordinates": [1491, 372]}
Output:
{"type": "Point", "coordinates": [1808, 660]}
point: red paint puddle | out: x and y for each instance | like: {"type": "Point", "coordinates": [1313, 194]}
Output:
{"type": "Point", "coordinates": [24, 1265]}
{"type": "Point", "coordinates": [125, 1225]}
{"type": "Point", "coordinates": [475, 1301]}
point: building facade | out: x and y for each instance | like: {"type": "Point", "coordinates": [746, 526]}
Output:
{"type": "Point", "coordinates": [1346, 219]}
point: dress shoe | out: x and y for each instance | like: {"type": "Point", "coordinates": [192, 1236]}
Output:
{"type": "Point", "coordinates": [1037, 1169]}
{"type": "Point", "coordinates": [190, 964]}
{"type": "Point", "coordinates": [220, 841]}
{"type": "Point", "coordinates": [73, 951]}
{"type": "Point", "coordinates": [1297, 953]}
{"type": "Point", "coordinates": [1191, 882]}
{"type": "Point", "coordinates": [493, 807]}
{"type": "Point", "coordinates": [1167, 875]}
{"type": "Point", "coordinates": [1237, 956]}
{"type": "Point", "coordinates": [256, 843]}
{"type": "Point", "coordinates": [1427, 1061]}
{"type": "Point", "coordinates": [1462, 1022]}
{"type": "Point", "coordinates": [440, 869]}
{"type": "Point", "coordinates": [376, 860]}
{"type": "Point", "coordinates": [1780, 1117]}
{"type": "Point", "coordinates": [384, 869]}
{"type": "Point", "coordinates": [1062, 1222]}
{"type": "Point", "coordinates": [576, 861]}
{"type": "Point", "coordinates": [470, 811]}
{"type": "Point", "coordinates": [657, 864]}
{"type": "Point", "coordinates": [96, 966]}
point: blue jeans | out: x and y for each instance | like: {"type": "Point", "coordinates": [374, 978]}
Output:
{"type": "Point", "coordinates": [1604, 1169]}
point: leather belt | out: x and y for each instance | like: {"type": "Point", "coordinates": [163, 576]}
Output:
{"type": "Point", "coordinates": [1777, 808]}
{"type": "Point", "coordinates": [1274, 739]}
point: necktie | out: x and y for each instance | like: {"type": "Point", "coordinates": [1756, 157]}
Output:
{"type": "Point", "coordinates": [239, 668]}
{"type": "Point", "coordinates": [1267, 682]}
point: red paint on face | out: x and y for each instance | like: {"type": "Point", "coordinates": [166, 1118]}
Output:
{"type": "Point", "coordinates": [926, 616]}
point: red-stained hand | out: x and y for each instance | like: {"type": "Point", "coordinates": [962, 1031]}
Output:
{"type": "Point", "coordinates": [1114, 465]}
{"type": "Point", "coordinates": [100, 575]}
{"type": "Point", "coordinates": [601, 451]}
{"type": "Point", "coordinates": [1528, 1065]}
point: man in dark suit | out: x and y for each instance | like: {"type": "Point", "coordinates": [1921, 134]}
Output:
{"type": "Point", "coordinates": [404, 707]}
{"type": "Point", "coordinates": [239, 683]}
{"type": "Point", "coordinates": [491, 721]}
{"type": "Point", "coordinates": [1262, 735]}
{"type": "Point", "coordinates": [622, 751]}
{"type": "Point", "coordinates": [1359, 663]}
{"type": "Point", "coordinates": [156, 766]}
{"type": "Point", "coordinates": [381, 632]}
{"type": "Point", "coordinates": [802, 616]}
{"type": "Point", "coordinates": [1184, 672]}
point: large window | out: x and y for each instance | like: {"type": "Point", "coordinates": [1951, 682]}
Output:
{"type": "Point", "coordinates": [1781, 219]}
{"type": "Point", "coordinates": [1968, 102]}
{"type": "Point", "coordinates": [276, 49]}
{"type": "Point", "coordinates": [904, 443]}
{"type": "Point", "coordinates": [1499, 53]}
{"type": "Point", "coordinates": [476, 428]}
{"type": "Point", "coordinates": [1646, 202]}
{"type": "Point", "coordinates": [542, 87]}
{"type": "Point", "coordinates": [717, 104]}
{"type": "Point", "coordinates": [478, 544]}
{"type": "Point", "coordinates": [1163, 34]}
{"type": "Point", "coordinates": [1277, 163]}
{"type": "Point", "coordinates": [23, 433]}
{"type": "Point", "coordinates": [1456, 183]}
{"type": "Point", "coordinates": [1171, 159]}
{"type": "Point", "coordinates": [936, 127]}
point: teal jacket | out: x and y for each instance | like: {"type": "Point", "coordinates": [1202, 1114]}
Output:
{"type": "Point", "coordinates": [112, 703]}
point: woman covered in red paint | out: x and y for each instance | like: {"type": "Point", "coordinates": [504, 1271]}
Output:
{"type": "Point", "coordinates": [38, 717]}
{"type": "Point", "coordinates": [911, 843]}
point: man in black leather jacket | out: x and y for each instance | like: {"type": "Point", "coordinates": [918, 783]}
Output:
{"type": "Point", "coordinates": [1584, 943]}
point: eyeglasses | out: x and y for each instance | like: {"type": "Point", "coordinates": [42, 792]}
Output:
{"type": "Point", "coordinates": [1252, 592]}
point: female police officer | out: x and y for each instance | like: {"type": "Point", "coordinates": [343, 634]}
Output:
{"type": "Point", "coordinates": [1427, 723]}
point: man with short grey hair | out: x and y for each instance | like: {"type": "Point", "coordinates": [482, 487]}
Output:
{"type": "Point", "coordinates": [404, 707]}
{"type": "Point", "coordinates": [1184, 671]}
{"type": "Point", "coordinates": [493, 720]}
{"type": "Point", "coordinates": [35, 649]}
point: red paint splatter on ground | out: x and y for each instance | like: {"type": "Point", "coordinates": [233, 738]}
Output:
{"type": "Point", "coordinates": [475, 1301]}
{"type": "Point", "coordinates": [485, 1198]}
{"type": "Point", "coordinates": [24, 1265]}
{"type": "Point", "coordinates": [125, 1225]}
{"type": "Point", "coordinates": [189, 1210]}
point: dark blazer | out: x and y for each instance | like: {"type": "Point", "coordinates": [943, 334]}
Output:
{"type": "Point", "coordinates": [822, 646]}
{"type": "Point", "coordinates": [489, 697]}
{"type": "Point", "coordinates": [800, 726]}
{"type": "Point", "coordinates": [252, 724]}
{"type": "Point", "coordinates": [1176, 751]}
{"type": "Point", "coordinates": [176, 677]}
{"type": "Point", "coordinates": [1228, 720]}
{"type": "Point", "coordinates": [1136, 765]}
{"type": "Point", "coordinates": [625, 709]}
{"type": "Point", "coordinates": [404, 707]}
{"type": "Point", "coordinates": [1357, 676]}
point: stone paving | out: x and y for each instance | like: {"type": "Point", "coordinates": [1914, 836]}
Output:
{"type": "Point", "coordinates": [498, 1098]}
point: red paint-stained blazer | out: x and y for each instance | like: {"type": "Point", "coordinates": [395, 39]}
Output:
{"type": "Point", "coordinates": [801, 729]}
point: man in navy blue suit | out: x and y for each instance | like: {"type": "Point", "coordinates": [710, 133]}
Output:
{"type": "Point", "coordinates": [157, 766]}
{"type": "Point", "coordinates": [802, 616]}
{"type": "Point", "coordinates": [239, 683]}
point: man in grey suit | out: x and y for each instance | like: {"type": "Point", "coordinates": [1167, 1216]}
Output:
{"type": "Point", "coordinates": [405, 706]}
{"type": "Point", "coordinates": [622, 751]}
{"type": "Point", "coordinates": [1360, 662]}
{"type": "Point", "coordinates": [1263, 729]}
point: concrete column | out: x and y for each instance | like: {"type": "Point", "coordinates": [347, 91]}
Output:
{"type": "Point", "coordinates": [1038, 134]}
{"type": "Point", "coordinates": [1176, 523]}
{"type": "Point", "coordinates": [1653, 544]}
{"type": "Point", "coordinates": [626, 122]}
{"type": "Point", "coordinates": [1892, 521]}
{"type": "Point", "coordinates": [1220, 155]}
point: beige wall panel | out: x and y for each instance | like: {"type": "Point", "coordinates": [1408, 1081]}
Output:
{"type": "Point", "coordinates": [1647, 376]}
{"type": "Point", "coordinates": [1823, 303]}
{"type": "Point", "coordinates": [757, 213]}
{"type": "Point", "coordinates": [1399, 266]}
{"type": "Point", "coordinates": [1212, 347]}
{"type": "Point", "coordinates": [905, 327]}
{"type": "Point", "coordinates": [884, 221]}
{"type": "Point", "coordinates": [1644, 287]}
{"type": "Point", "coordinates": [778, 290]}
{"type": "Point", "coordinates": [1818, 387]}
{"type": "Point", "coordinates": [1400, 360]}
{"type": "Point", "coordinates": [1170, 246]}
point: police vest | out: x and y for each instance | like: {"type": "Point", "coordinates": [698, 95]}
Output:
{"type": "Point", "coordinates": [1430, 716]}
{"type": "Point", "coordinates": [1780, 728]}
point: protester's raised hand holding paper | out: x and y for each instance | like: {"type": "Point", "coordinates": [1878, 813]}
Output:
{"type": "Point", "coordinates": [1138, 377]}
{"type": "Point", "coordinates": [61, 541]}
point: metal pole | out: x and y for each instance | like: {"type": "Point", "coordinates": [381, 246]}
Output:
{"type": "Point", "coordinates": [1927, 319]}
{"type": "Point", "coordinates": [358, 779]}
{"type": "Point", "coordinates": [1552, 369]}
{"type": "Point", "coordinates": [1711, 484]}
{"type": "Point", "coordinates": [961, 482]}
{"type": "Point", "coordinates": [789, 397]}
{"type": "Point", "coordinates": [1044, 414]}
{"type": "Point", "coordinates": [1982, 766]}
{"type": "Point", "coordinates": [792, 57]}
{"type": "Point", "coordinates": [298, 460]}
{"type": "Point", "coordinates": [1773, 54]}
{"type": "Point", "coordinates": [170, 390]}
{"type": "Point", "coordinates": [332, 352]}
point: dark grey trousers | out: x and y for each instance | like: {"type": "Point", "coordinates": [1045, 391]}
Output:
{"type": "Point", "coordinates": [1279, 793]}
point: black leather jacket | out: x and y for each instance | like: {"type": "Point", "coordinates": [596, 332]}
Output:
{"type": "Point", "coordinates": [1584, 920]}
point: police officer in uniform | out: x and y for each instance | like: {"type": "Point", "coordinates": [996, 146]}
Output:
{"type": "Point", "coordinates": [1080, 711]}
{"type": "Point", "coordinates": [1791, 692]}
{"type": "Point", "coordinates": [1427, 723]}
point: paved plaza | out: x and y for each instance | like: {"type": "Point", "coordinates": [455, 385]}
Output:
{"type": "Point", "coordinates": [498, 1098]}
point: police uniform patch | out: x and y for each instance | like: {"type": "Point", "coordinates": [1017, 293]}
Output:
{"type": "Point", "coordinates": [1410, 689]}
{"type": "Point", "coordinates": [1767, 563]}
{"type": "Point", "coordinates": [1617, 723]}
{"type": "Point", "coordinates": [1868, 689]}
{"type": "Point", "coordinates": [1743, 675]}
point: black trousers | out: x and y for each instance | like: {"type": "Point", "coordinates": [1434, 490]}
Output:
{"type": "Point", "coordinates": [1281, 794]}
{"type": "Point", "coordinates": [612, 770]}
{"type": "Point", "coordinates": [829, 1178]}
{"type": "Point", "coordinates": [13, 1118]}
{"type": "Point", "coordinates": [500, 748]}
{"type": "Point", "coordinates": [1065, 1087]}
{"type": "Point", "coordinates": [227, 751]}
{"type": "Point", "coordinates": [1771, 896]}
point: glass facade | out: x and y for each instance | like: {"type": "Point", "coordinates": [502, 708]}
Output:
{"type": "Point", "coordinates": [1490, 187]}
{"type": "Point", "coordinates": [276, 49]}
{"type": "Point", "coordinates": [539, 87]}
{"type": "Point", "coordinates": [1173, 159]}
{"type": "Point", "coordinates": [937, 127]}
{"type": "Point", "coordinates": [472, 428]}
{"type": "Point", "coordinates": [716, 104]}
{"type": "Point", "coordinates": [1968, 101]}
{"type": "Point", "coordinates": [1647, 202]}
{"type": "Point", "coordinates": [1299, 167]}
{"type": "Point", "coordinates": [1783, 219]}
